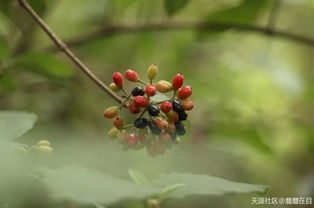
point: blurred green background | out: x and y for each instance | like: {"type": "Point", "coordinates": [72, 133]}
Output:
{"type": "Point", "coordinates": [253, 120]}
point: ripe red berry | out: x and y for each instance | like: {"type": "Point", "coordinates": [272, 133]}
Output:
{"type": "Point", "coordinates": [118, 79]}
{"type": "Point", "coordinates": [131, 140]}
{"type": "Point", "coordinates": [187, 105]}
{"type": "Point", "coordinates": [185, 92]}
{"type": "Point", "coordinates": [131, 75]}
{"type": "Point", "coordinates": [177, 81]}
{"type": "Point", "coordinates": [118, 122]}
{"type": "Point", "coordinates": [166, 106]}
{"type": "Point", "coordinates": [141, 101]}
{"type": "Point", "coordinates": [133, 108]}
{"type": "Point", "coordinates": [151, 90]}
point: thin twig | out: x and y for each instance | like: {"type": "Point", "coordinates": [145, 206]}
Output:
{"type": "Point", "coordinates": [64, 48]}
{"type": "Point", "coordinates": [171, 26]}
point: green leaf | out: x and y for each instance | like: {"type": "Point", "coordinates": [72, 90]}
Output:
{"type": "Point", "coordinates": [169, 190]}
{"type": "Point", "coordinates": [7, 82]}
{"type": "Point", "coordinates": [173, 6]}
{"type": "Point", "coordinates": [244, 13]}
{"type": "Point", "coordinates": [159, 97]}
{"type": "Point", "coordinates": [44, 64]}
{"type": "Point", "coordinates": [204, 185]}
{"type": "Point", "coordinates": [14, 124]}
{"type": "Point", "coordinates": [138, 177]}
{"type": "Point", "coordinates": [4, 49]}
{"type": "Point", "coordinates": [38, 5]}
{"type": "Point", "coordinates": [89, 186]}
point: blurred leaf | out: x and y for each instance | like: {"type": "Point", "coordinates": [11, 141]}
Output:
{"type": "Point", "coordinates": [173, 6]}
{"type": "Point", "coordinates": [38, 5]}
{"type": "Point", "coordinates": [89, 186]}
{"type": "Point", "coordinates": [14, 124]}
{"type": "Point", "coordinates": [4, 48]}
{"type": "Point", "coordinates": [244, 13]}
{"type": "Point", "coordinates": [98, 205]}
{"type": "Point", "coordinates": [7, 82]}
{"type": "Point", "coordinates": [205, 185]}
{"type": "Point", "coordinates": [168, 191]}
{"type": "Point", "coordinates": [44, 64]}
{"type": "Point", "coordinates": [138, 177]}
{"type": "Point", "coordinates": [159, 97]}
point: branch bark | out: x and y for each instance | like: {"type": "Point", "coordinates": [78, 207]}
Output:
{"type": "Point", "coordinates": [64, 48]}
{"type": "Point", "coordinates": [170, 26]}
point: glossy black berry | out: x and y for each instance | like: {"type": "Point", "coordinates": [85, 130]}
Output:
{"type": "Point", "coordinates": [138, 91]}
{"type": "Point", "coordinates": [180, 130]}
{"type": "Point", "coordinates": [176, 105]}
{"type": "Point", "coordinates": [153, 127]}
{"type": "Point", "coordinates": [182, 115]}
{"type": "Point", "coordinates": [153, 110]}
{"type": "Point", "coordinates": [141, 123]}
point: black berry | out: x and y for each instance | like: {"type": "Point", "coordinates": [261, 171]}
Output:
{"type": "Point", "coordinates": [138, 91]}
{"type": "Point", "coordinates": [180, 130]}
{"type": "Point", "coordinates": [153, 110]}
{"type": "Point", "coordinates": [141, 123]}
{"type": "Point", "coordinates": [176, 105]}
{"type": "Point", "coordinates": [182, 115]}
{"type": "Point", "coordinates": [153, 127]}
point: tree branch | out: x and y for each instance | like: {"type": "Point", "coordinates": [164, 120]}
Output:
{"type": "Point", "coordinates": [64, 48]}
{"type": "Point", "coordinates": [170, 26]}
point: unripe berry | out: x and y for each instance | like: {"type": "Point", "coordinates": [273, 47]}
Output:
{"type": "Point", "coordinates": [185, 92]}
{"type": "Point", "coordinates": [166, 106]}
{"type": "Point", "coordinates": [172, 116]}
{"type": "Point", "coordinates": [141, 101]}
{"type": "Point", "coordinates": [132, 140]}
{"type": "Point", "coordinates": [142, 137]}
{"type": "Point", "coordinates": [111, 112]}
{"type": "Point", "coordinates": [162, 124]}
{"type": "Point", "coordinates": [131, 75]}
{"type": "Point", "coordinates": [165, 137]}
{"type": "Point", "coordinates": [151, 90]}
{"type": "Point", "coordinates": [43, 149]}
{"type": "Point", "coordinates": [163, 86]}
{"type": "Point", "coordinates": [152, 72]}
{"type": "Point", "coordinates": [118, 122]}
{"type": "Point", "coordinates": [177, 81]}
{"type": "Point", "coordinates": [133, 108]}
{"type": "Point", "coordinates": [114, 87]}
{"type": "Point", "coordinates": [154, 128]}
{"type": "Point", "coordinates": [160, 148]}
{"type": "Point", "coordinates": [138, 91]}
{"type": "Point", "coordinates": [171, 128]}
{"type": "Point", "coordinates": [153, 110]}
{"type": "Point", "coordinates": [141, 123]}
{"type": "Point", "coordinates": [43, 142]}
{"type": "Point", "coordinates": [151, 150]}
{"type": "Point", "coordinates": [113, 133]}
{"type": "Point", "coordinates": [187, 105]}
{"type": "Point", "coordinates": [118, 79]}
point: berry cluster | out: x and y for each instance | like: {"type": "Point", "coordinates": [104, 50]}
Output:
{"type": "Point", "coordinates": [159, 123]}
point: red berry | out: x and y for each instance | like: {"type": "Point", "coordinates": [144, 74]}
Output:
{"type": "Point", "coordinates": [185, 92]}
{"type": "Point", "coordinates": [151, 90]}
{"type": "Point", "coordinates": [133, 108]}
{"type": "Point", "coordinates": [131, 140]}
{"type": "Point", "coordinates": [118, 79]}
{"type": "Point", "coordinates": [177, 81]}
{"type": "Point", "coordinates": [166, 106]}
{"type": "Point", "coordinates": [141, 101]}
{"type": "Point", "coordinates": [187, 105]}
{"type": "Point", "coordinates": [111, 112]}
{"type": "Point", "coordinates": [162, 124]}
{"type": "Point", "coordinates": [131, 75]}
{"type": "Point", "coordinates": [118, 122]}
